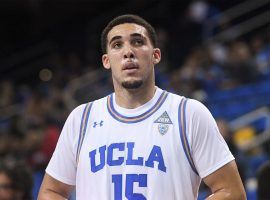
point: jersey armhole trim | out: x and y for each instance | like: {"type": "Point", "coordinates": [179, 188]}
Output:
{"type": "Point", "coordinates": [183, 134]}
{"type": "Point", "coordinates": [83, 126]}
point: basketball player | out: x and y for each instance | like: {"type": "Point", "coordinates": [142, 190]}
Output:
{"type": "Point", "coordinates": [141, 142]}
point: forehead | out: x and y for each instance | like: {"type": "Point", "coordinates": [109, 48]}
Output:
{"type": "Point", "coordinates": [126, 30]}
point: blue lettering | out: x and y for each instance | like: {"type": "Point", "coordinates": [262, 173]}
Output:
{"type": "Point", "coordinates": [130, 160]}
{"type": "Point", "coordinates": [109, 155]}
{"type": "Point", "coordinates": [130, 180]}
{"type": "Point", "coordinates": [117, 181]}
{"type": "Point", "coordinates": [120, 160]}
{"type": "Point", "coordinates": [156, 155]}
{"type": "Point", "coordinates": [92, 155]}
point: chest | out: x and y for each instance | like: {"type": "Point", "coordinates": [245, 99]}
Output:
{"type": "Point", "coordinates": [151, 143]}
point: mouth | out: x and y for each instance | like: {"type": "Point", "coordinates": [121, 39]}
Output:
{"type": "Point", "coordinates": [129, 66]}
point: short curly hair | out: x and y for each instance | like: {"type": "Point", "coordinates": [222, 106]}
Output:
{"type": "Point", "coordinates": [128, 18]}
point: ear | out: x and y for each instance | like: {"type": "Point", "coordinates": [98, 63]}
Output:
{"type": "Point", "coordinates": [156, 56]}
{"type": "Point", "coordinates": [105, 61]}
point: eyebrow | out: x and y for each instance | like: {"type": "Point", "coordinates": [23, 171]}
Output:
{"type": "Point", "coordinates": [132, 35]}
{"type": "Point", "coordinates": [115, 38]}
{"type": "Point", "coordinates": [137, 35]}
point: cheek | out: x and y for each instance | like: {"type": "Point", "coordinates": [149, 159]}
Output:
{"type": "Point", "coordinates": [147, 58]}
{"type": "Point", "coordinates": [114, 59]}
{"type": "Point", "coordinates": [147, 55]}
{"type": "Point", "coordinates": [115, 63]}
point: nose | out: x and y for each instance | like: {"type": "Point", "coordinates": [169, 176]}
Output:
{"type": "Point", "coordinates": [128, 52]}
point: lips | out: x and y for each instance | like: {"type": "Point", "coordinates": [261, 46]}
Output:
{"type": "Point", "coordinates": [130, 66]}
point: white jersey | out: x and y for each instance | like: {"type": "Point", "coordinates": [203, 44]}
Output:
{"type": "Point", "coordinates": [157, 151]}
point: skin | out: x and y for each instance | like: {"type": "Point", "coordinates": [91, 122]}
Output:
{"type": "Point", "coordinates": [5, 193]}
{"type": "Point", "coordinates": [54, 189]}
{"type": "Point", "coordinates": [225, 183]}
{"type": "Point", "coordinates": [131, 58]}
{"type": "Point", "coordinates": [129, 44]}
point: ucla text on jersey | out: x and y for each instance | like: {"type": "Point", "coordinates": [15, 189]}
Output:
{"type": "Point", "coordinates": [111, 155]}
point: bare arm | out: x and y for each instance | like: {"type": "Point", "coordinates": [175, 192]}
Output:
{"type": "Point", "coordinates": [54, 189]}
{"type": "Point", "coordinates": [225, 183]}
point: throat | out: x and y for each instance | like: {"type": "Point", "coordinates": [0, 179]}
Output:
{"type": "Point", "coordinates": [133, 98]}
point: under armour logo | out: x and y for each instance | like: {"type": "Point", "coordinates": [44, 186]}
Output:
{"type": "Point", "coordinates": [98, 124]}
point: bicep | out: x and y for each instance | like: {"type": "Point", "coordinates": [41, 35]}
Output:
{"type": "Point", "coordinates": [52, 188]}
{"type": "Point", "coordinates": [225, 179]}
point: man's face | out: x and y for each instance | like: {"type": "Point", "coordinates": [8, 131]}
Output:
{"type": "Point", "coordinates": [6, 191]}
{"type": "Point", "coordinates": [130, 56]}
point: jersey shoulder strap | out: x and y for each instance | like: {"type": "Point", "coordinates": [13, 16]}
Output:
{"type": "Point", "coordinates": [83, 127]}
{"type": "Point", "coordinates": [183, 132]}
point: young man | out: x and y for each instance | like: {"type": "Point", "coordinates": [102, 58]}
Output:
{"type": "Point", "coordinates": [140, 142]}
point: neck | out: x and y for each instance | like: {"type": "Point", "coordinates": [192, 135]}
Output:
{"type": "Point", "coordinates": [133, 98]}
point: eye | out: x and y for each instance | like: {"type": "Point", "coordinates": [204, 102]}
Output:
{"type": "Point", "coordinates": [137, 42]}
{"type": "Point", "coordinates": [116, 45]}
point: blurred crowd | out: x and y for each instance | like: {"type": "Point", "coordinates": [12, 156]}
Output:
{"type": "Point", "coordinates": [32, 115]}
{"type": "Point", "coordinates": [219, 66]}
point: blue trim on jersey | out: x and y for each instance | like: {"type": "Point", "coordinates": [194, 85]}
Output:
{"type": "Point", "coordinates": [135, 119]}
{"type": "Point", "coordinates": [80, 135]}
{"type": "Point", "coordinates": [183, 136]}
{"type": "Point", "coordinates": [83, 127]}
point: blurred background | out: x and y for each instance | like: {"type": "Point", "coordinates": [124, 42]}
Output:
{"type": "Point", "coordinates": [216, 51]}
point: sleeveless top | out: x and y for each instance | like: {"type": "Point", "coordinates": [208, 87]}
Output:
{"type": "Point", "coordinates": [160, 150]}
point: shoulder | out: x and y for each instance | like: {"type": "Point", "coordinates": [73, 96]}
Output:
{"type": "Point", "coordinates": [79, 110]}
{"type": "Point", "coordinates": [192, 105]}
{"type": "Point", "coordinates": [195, 106]}
{"type": "Point", "coordinates": [198, 113]}
{"type": "Point", "coordinates": [74, 117]}
{"type": "Point", "coordinates": [174, 99]}
{"type": "Point", "coordinates": [194, 109]}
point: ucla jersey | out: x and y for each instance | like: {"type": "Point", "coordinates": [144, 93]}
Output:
{"type": "Point", "coordinates": [153, 152]}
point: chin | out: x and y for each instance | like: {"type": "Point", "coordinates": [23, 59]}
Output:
{"type": "Point", "coordinates": [132, 84]}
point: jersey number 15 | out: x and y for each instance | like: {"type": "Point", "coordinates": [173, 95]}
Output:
{"type": "Point", "coordinates": [117, 180]}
